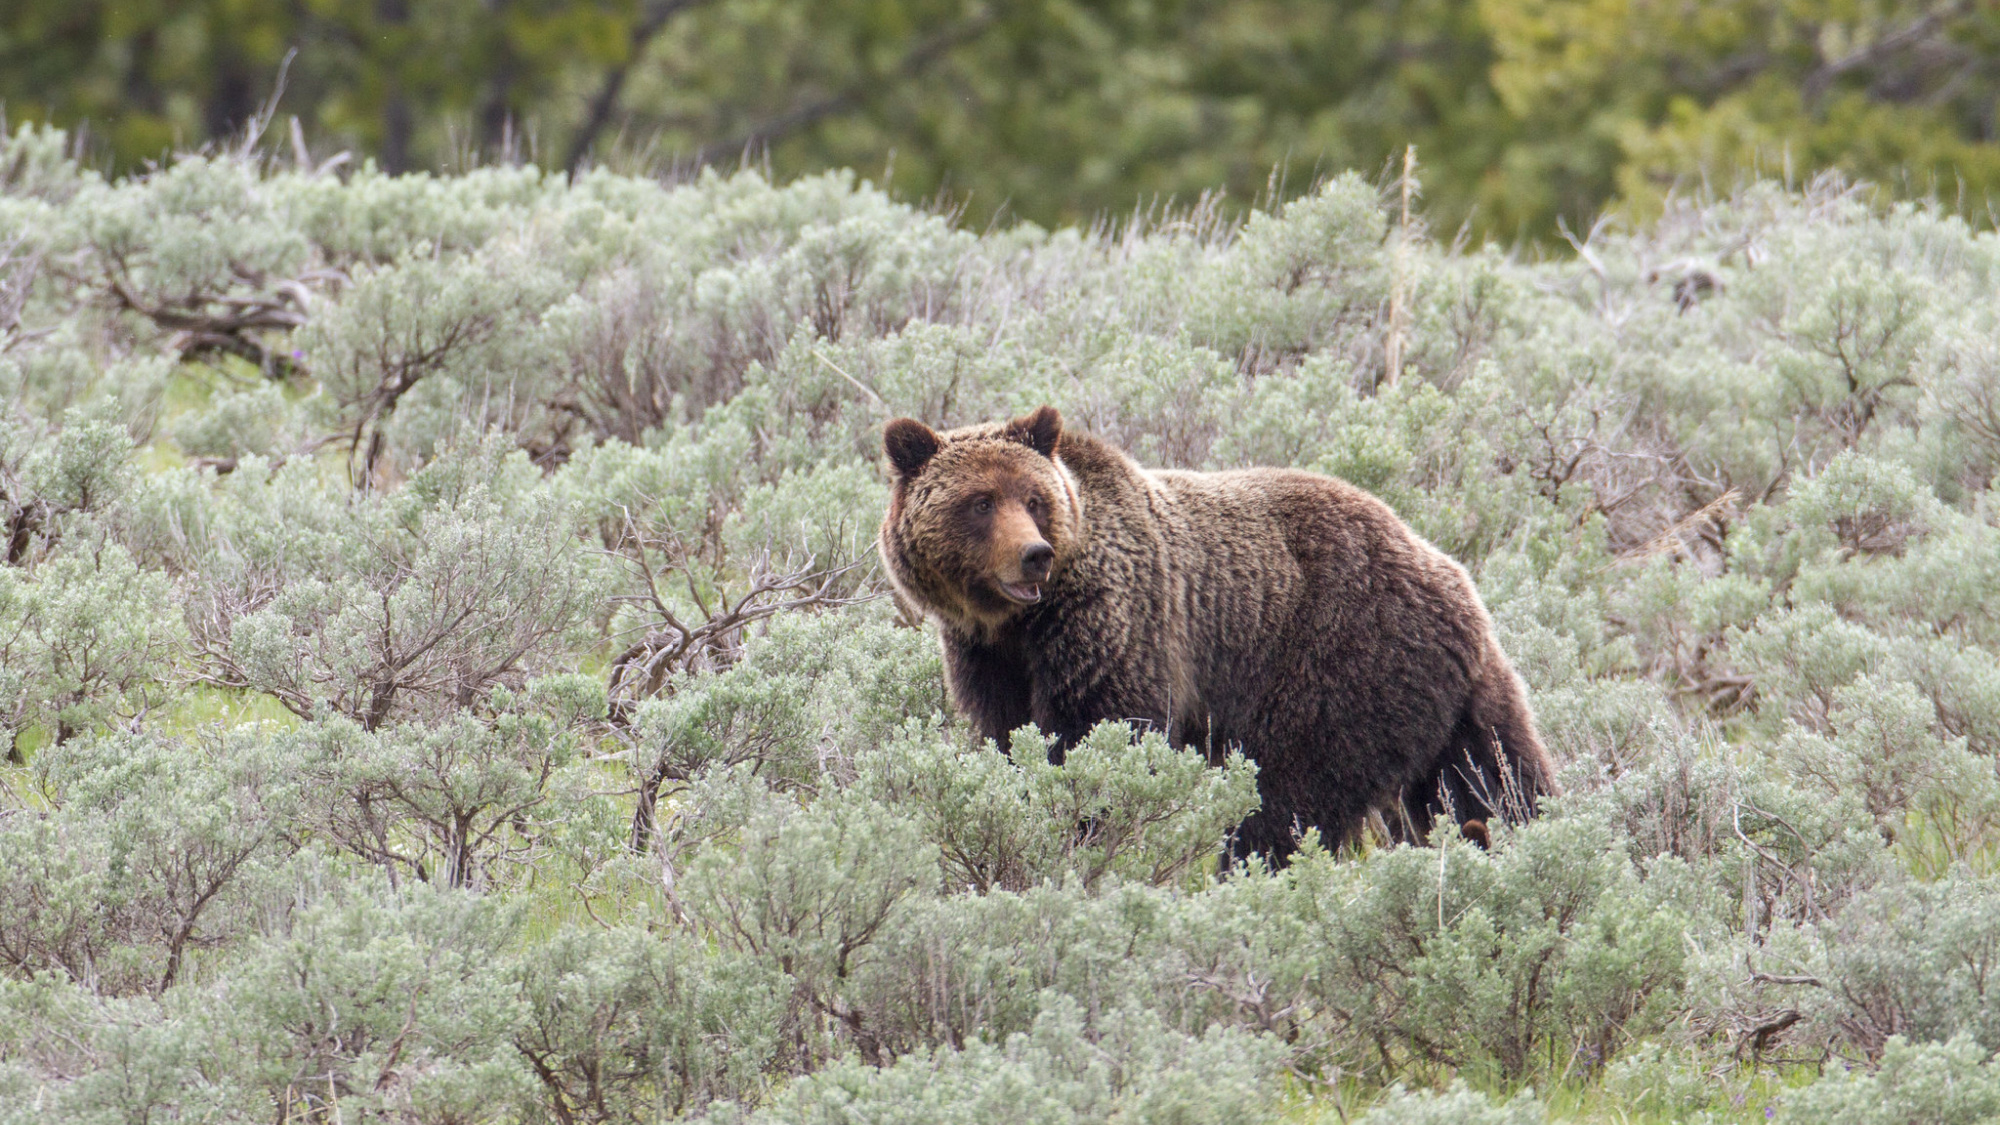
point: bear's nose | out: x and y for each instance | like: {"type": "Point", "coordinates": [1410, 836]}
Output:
{"type": "Point", "coordinates": [1036, 558]}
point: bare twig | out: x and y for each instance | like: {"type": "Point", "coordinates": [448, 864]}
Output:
{"type": "Point", "coordinates": [1399, 311]}
{"type": "Point", "coordinates": [1674, 538]}
{"type": "Point", "coordinates": [253, 130]}
{"type": "Point", "coordinates": [858, 384]}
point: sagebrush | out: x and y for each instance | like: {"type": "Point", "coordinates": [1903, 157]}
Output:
{"type": "Point", "coordinates": [446, 675]}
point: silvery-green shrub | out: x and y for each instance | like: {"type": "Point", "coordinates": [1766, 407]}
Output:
{"type": "Point", "coordinates": [479, 648]}
{"type": "Point", "coordinates": [1456, 1106]}
{"type": "Point", "coordinates": [1131, 1067]}
{"type": "Point", "coordinates": [1949, 1083]}
{"type": "Point", "coordinates": [628, 1025]}
{"type": "Point", "coordinates": [86, 639]}
{"type": "Point", "coordinates": [372, 999]}
{"type": "Point", "coordinates": [144, 852]}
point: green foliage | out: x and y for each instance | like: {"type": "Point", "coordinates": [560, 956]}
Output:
{"type": "Point", "coordinates": [438, 337]}
{"type": "Point", "coordinates": [68, 1053]}
{"type": "Point", "coordinates": [1949, 1082]}
{"type": "Point", "coordinates": [404, 607]}
{"type": "Point", "coordinates": [1546, 953]}
{"type": "Point", "coordinates": [1909, 959]}
{"type": "Point", "coordinates": [380, 1001]}
{"type": "Point", "coordinates": [1525, 113]}
{"type": "Point", "coordinates": [450, 799]}
{"type": "Point", "coordinates": [808, 890]}
{"type": "Point", "coordinates": [1132, 1068]}
{"type": "Point", "coordinates": [1131, 808]}
{"type": "Point", "coordinates": [1641, 96]}
{"type": "Point", "coordinates": [86, 640]}
{"type": "Point", "coordinates": [624, 1026]}
{"type": "Point", "coordinates": [150, 849]}
{"type": "Point", "coordinates": [236, 422]}
{"type": "Point", "coordinates": [1458, 1104]}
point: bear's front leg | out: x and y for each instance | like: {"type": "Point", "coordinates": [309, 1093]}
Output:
{"type": "Point", "coordinates": [989, 683]}
{"type": "Point", "coordinates": [1068, 700]}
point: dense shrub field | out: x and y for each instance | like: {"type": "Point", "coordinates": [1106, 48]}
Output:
{"type": "Point", "coordinates": [447, 678]}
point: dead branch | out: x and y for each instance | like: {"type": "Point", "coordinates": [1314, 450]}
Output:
{"type": "Point", "coordinates": [204, 323]}
{"type": "Point", "coordinates": [674, 645]}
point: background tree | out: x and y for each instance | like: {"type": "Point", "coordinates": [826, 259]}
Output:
{"type": "Point", "coordinates": [1628, 98]}
{"type": "Point", "coordinates": [1523, 113]}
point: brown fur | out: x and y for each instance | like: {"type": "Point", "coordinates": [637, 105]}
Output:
{"type": "Point", "coordinates": [1291, 614]}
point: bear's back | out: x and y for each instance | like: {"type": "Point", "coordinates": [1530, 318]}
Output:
{"type": "Point", "coordinates": [1282, 574]}
{"type": "Point", "coordinates": [1290, 523]}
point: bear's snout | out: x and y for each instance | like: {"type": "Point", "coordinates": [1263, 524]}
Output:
{"type": "Point", "coordinates": [1036, 559]}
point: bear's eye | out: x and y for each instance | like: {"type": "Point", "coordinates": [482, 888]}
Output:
{"type": "Point", "coordinates": [983, 506]}
{"type": "Point", "coordinates": [1034, 505]}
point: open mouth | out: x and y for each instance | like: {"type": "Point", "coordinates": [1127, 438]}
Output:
{"type": "Point", "coordinates": [1027, 593]}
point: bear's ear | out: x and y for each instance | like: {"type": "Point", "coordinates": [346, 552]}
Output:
{"type": "Point", "coordinates": [1038, 431]}
{"type": "Point", "coordinates": [910, 445]}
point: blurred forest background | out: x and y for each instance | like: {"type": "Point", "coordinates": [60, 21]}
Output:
{"type": "Point", "coordinates": [1525, 113]}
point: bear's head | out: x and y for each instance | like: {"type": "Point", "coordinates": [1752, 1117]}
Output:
{"type": "Point", "coordinates": [981, 519]}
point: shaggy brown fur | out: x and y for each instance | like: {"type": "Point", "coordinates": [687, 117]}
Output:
{"type": "Point", "coordinates": [1287, 613]}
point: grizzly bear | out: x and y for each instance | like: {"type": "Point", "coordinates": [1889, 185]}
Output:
{"type": "Point", "coordinates": [1289, 614]}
